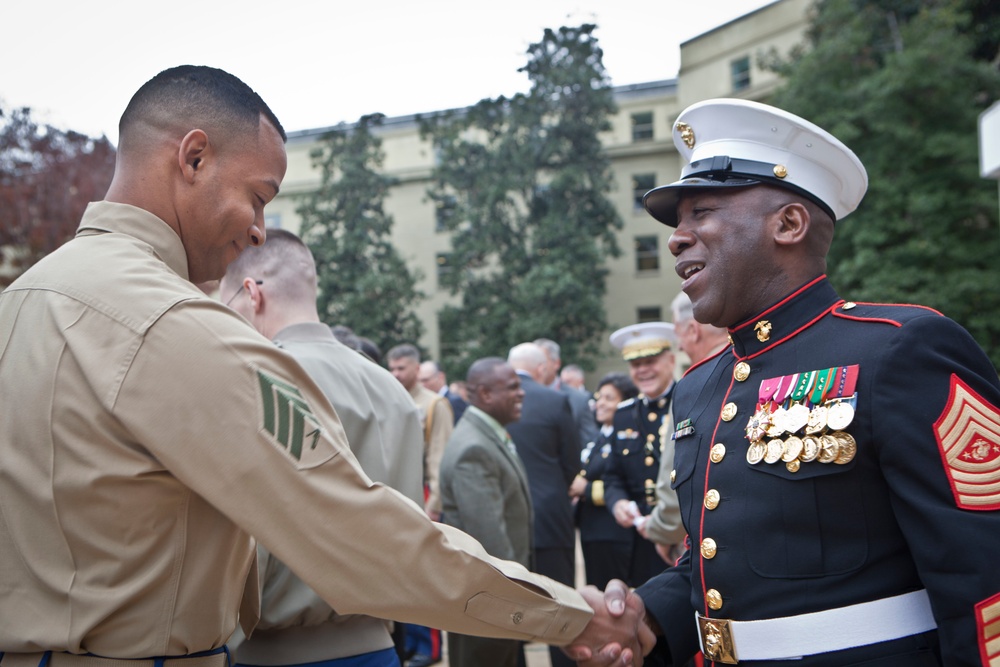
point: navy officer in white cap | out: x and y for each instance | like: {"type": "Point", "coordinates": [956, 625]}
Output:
{"type": "Point", "coordinates": [638, 438]}
{"type": "Point", "coordinates": [838, 467]}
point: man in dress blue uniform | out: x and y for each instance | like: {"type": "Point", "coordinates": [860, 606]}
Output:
{"type": "Point", "coordinates": [638, 439]}
{"type": "Point", "coordinates": [837, 466]}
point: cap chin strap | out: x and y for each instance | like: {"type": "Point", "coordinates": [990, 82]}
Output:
{"type": "Point", "coordinates": [725, 169]}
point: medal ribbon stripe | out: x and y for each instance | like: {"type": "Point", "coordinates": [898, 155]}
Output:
{"type": "Point", "coordinates": [968, 435]}
{"type": "Point", "coordinates": [988, 630]}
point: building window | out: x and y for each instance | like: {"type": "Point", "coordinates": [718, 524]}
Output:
{"type": "Point", "coordinates": [444, 212]}
{"type": "Point", "coordinates": [647, 253]}
{"type": "Point", "coordinates": [740, 71]}
{"type": "Point", "coordinates": [641, 184]}
{"type": "Point", "coordinates": [443, 266]}
{"type": "Point", "coordinates": [649, 314]}
{"type": "Point", "coordinates": [642, 126]}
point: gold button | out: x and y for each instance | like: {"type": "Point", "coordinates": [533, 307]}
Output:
{"type": "Point", "coordinates": [793, 466]}
{"type": "Point", "coordinates": [742, 371]}
{"type": "Point", "coordinates": [517, 617]}
{"type": "Point", "coordinates": [625, 452]}
{"type": "Point", "coordinates": [718, 452]}
{"type": "Point", "coordinates": [729, 411]}
{"type": "Point", "coordinates": [649, 461]}
{"type": "Point", "coordinates": [712, 499]}
{"type": "Point", "coordinates": [780, 170]}
{"type": "Point", "coordinates": [662, 402]}
{"type": "Point", "coordinates": [714, 599]}
{"type": "Point", "coordinates": [652, 416]}
{"type": "Point", "coordinates": [673, 476]}
{"type": "Point", "coordinates": [708, 548]}
{"type": "Point", "coordinates": [650, 437]}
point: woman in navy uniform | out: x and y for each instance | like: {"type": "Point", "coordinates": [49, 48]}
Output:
{"type": "Point", "coordinates": [837, 467]}
{"type": "Point", "coordinates": [607, 547]}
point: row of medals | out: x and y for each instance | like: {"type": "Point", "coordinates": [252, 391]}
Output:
{"type": "Point", "coordinates": [823, 437]}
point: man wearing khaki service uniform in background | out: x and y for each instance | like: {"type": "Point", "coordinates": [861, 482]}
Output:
{"type": "Point", "coordinates": [148, 431]}
{"type": "Point", "coordinates": [274, 287]}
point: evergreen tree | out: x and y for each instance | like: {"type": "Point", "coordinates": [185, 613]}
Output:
{"type": "Point", "coordinates": [363, 281]}
{"type": "Point", "coordinates": [902, 82]}
{"type": "Point", "coordinates": [522, 185]}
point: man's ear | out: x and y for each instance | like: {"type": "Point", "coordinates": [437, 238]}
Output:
{"type": "Point", "coordinates": [791, 224]}
{"type": "Point", "coordinates": [191, 154]}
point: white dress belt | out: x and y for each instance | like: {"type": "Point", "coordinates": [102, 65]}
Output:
{"type": "Point", "coordinates": [792, 637]}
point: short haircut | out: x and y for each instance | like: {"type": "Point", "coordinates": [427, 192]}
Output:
{"type": "Point", "coordinates": [199, 96]}
{"type": "Point", "coordinates": [622, 382]}
{"type": "Point", "coordinates": [550, 346]}
{"type": "Point", "coordinates": [482, 373]}
{"type": "Point", "coordinates": [284, 263]}
{"type": "Point", "coordinates": [346, 336]}
{"type": "Point", "coordinates": [404, 350]}
{"type": "Point", "coordinates": [370, 349]}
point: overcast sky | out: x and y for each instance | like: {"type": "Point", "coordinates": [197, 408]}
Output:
{"type": "Point", "coordinates": [76, 63]}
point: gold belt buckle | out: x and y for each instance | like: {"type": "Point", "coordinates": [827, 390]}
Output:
{"type": "Point", "coordinates": [717, 640]}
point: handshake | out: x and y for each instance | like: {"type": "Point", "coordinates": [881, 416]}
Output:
{"type": "Point", "coordinates": [618, 634]}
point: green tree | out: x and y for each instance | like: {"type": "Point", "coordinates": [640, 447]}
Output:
{"type": "Point", "coordinates": [522, 184]}
{"type": "Point", "coordinates": [47, 177]}
{"type": "Point", "coordinates": [363, 281]}
{"type": "Point", "coordinates": [902, 82]}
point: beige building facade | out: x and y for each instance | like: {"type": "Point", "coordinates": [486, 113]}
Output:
{"type": "Point", "coordinates": [723, 62]}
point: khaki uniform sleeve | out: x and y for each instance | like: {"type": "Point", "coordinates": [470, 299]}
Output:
{"type": "Point", "coordinates": [664, 525]}
{"type": "Point", "coordinates": [442, 425]}
{"type": "Point", "coordinates": [238, 422]}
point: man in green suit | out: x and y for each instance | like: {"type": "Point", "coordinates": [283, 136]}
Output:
{"type": "Point", "coordinates": [484, 491]}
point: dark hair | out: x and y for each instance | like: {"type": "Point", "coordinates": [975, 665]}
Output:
{"type": "Point", "coordinates": [622, 383]}
{"type": "Point", "coordinates": [201, 94]}
{"type": "Point", "coordinates": [370, 349]}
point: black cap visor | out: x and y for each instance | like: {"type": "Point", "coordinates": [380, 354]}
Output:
{"type": "Point", "coordinates": [715, 172]}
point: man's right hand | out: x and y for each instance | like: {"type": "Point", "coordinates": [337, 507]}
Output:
{"type": "Point", "coordinates": [617, 634]}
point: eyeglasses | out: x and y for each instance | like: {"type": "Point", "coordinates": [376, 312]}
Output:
{"type": "Point", "coordinates": [237, 292]}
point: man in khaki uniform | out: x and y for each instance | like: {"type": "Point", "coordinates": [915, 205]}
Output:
{"type": "Point", "coordinates": [436, 415]}
{"type": "Point", "coordinates": [424, 644]}
{"type": "Point", "coordinates": [274, 287]}
{"type": "Point", "coordinates": [148, 432]}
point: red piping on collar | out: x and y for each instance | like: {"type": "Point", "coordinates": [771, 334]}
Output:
{"type": "Point", "coordinates": [780, 303]}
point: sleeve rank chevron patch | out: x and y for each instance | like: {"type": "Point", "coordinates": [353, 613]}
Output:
{"type": "Point", "coordinates": [288, 418]}
{"type": "Point", "coordinates": [968, 435]}
{"type": "Point", "coordinates": [988, 630]}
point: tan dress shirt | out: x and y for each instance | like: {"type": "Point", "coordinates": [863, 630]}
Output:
{"type": "Point", "coordinates": [383, 429]}
{"type": "Point", "coordinates": [147, 431]}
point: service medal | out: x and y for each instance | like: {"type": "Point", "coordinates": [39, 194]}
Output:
{"type": "Point", "coordinates": [792, 449]}
{"type": "Point", "coordinates": [829, 449]}
{"type": "Point", "coordinates": [778, 420]}
{"type": "Point", "coordinates": [840, 415]}
{"type": "Point", "coordinates": [775, 448]}
{"type": "Point", "coordinates": [757, 426]}
{"type": "Point", "coordinates": [810, 449]}
{"type": "Point", "coordinates": [797, 416]}
{"type": "Point", "coordinates": [848, 447]}
{"type": "Point", "coordinates": [817, 420]}
{"type": "Point", "coordinates": [755, 453]}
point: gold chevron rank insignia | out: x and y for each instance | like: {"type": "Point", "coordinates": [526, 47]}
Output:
{"type": "Point", "coordinates": [988, 630]}
{"type": "Point", "coordinates": [289, 419]}
{"type": "Point", "coordinates": [968, 435]}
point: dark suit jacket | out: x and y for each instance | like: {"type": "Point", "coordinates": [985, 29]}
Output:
{"type": "Point", "coordinates": [579, 403]}
{"type": "Point", "coordinates": [484, 490]}
{"type": "Point", "coordinates": [549, 445]}
{"type": "Point", "coordinates": [458, 404]}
